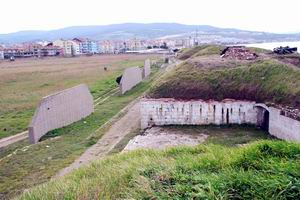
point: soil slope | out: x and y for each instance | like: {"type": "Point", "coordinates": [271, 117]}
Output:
{"type": "Point", "coordinates": [211, 77]}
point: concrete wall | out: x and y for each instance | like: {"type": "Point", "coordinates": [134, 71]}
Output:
{"type": "Point", "coordinates": [147, 68]}
{"type": "Point", "coordinates": [131, 77]}
{"type": "Point", "coordinates": [59, 110]}
{"type": "Point", "coordinates": [161, 112]}
{"type": "Point", "coordinates": [171, 112]}
{"type": "Point", "coordinates": [283, 127]}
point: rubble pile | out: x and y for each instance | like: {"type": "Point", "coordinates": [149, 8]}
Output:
{"type": "Point", "coordinates": [238, 52]}
{"type": "Point", "coordinates": [290, 112]}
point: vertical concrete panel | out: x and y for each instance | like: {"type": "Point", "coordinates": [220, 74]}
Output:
{"type": "Point", "coordinates": [59, 110]}
{"type": "Point", "coordinates": [147, 68]}
{"type": "Point", "coordinates": [131, 77]}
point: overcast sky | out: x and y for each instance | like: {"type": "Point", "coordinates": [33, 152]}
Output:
{"type": "Point", "coordinates": [259, 15]}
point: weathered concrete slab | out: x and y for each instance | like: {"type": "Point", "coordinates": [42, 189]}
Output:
{"type": "Point", "coordinates": [161, 112]}
{"type": "Point", "coordinates": [131, 77]}
{"type": "Point", "coordinates": [59, 110]}
{"type": "Point", "coordinates": [147, 68]}
{"type": "Point", "coordinates": [283, 127]}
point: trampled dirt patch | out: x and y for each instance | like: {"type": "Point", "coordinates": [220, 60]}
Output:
{"type": "Point", "coordinates": [160, 138]}
{"type": "Point", "coordinates": [167, 136]}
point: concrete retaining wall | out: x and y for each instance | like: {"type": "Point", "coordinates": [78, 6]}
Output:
{"type": "Point", "coordinates": [131, 77]}
{"type": "Point", "coordinates": [171, 112]}
{"type": "Point", "coordinates": [283, 127]}
{"type": "Point", "coordinates": [161, 112]}
{"type": "Point", "coordinates": [59, 110]}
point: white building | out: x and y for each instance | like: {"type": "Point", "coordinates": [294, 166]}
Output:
{"type": "Point", "coordinates": [76, 50]}
{"type": "Point", "coordinates": [66, 45]}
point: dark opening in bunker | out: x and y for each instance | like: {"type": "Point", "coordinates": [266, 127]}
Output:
{"type": "Point", "coordinates": [263, 118]}
{"type": "Point", "coordinates": [227, 116]}
{"type": "Point", "coordinates": [265, 123]}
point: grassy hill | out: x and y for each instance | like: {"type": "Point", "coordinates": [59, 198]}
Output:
{"type": "Point", "coordinates": [200, 51]}
{"type": "Point", "coordinates": [261, 170]}
{"type": "Point", "coordinates": [264, 80]}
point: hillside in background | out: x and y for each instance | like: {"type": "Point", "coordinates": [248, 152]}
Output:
{"type": "Point", "coordinates": [144, 31]}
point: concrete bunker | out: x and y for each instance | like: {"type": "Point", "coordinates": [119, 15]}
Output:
{"type": "Point", "coordinates": [168, 111]}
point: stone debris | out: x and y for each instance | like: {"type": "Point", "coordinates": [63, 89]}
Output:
{"type": "Point", "coordinates": [290, 112]}
{"type": "Point", "coordinates": [238, 52]}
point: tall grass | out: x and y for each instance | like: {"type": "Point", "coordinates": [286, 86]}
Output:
{"type": "Point", "coordinates": [261, 170]}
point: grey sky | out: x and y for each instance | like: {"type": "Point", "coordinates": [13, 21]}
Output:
{"type": "Point", "coordinates": [261, 15]}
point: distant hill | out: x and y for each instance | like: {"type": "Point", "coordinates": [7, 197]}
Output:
{"type": "Point", "coordinates": [145, 31]}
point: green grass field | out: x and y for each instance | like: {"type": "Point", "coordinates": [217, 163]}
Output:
{"type": "Point", "coordinates": [259, 170]}
{"type": "Point", "coordinates": [23, 166]}
{"type": "Point", "coordinates": [24, 82]}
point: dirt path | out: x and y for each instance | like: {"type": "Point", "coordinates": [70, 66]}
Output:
{"type": "Point", "coordinates": [13, 139]}
{"type": "Point", "coordinates": [122, 127]}
{"type": "Point", "coordinates": [129, 122]}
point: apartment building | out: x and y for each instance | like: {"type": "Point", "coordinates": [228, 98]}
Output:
{"type": "Point", "coordinates": [112, 46]}
{"type": "Point", "coordinates": [66, 45]}
{"type": "Point", "coordinates": [50, 50]}
{"type": "Point", "coordinates": [87, 46]}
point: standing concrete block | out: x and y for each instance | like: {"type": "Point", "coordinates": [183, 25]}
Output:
{"type": "Point", "coordinates": [59, 110]}
{"type": "Point", "coordinates": [131, 77]}
{"type": "Point", "coordinates": [147, 68]}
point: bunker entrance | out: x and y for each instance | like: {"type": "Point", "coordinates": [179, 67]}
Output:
{"type": "Point", "coordinates": [263, 117]}
{"type": "Point", "coordinates": [265, 122]}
